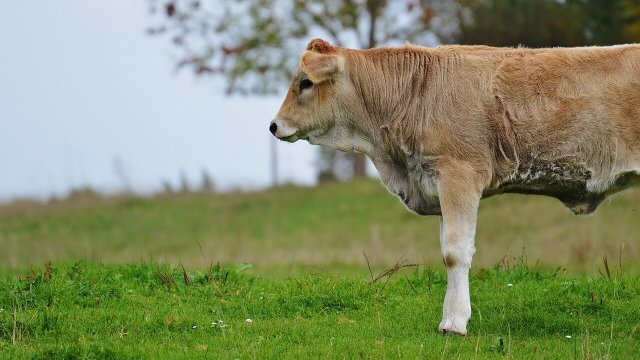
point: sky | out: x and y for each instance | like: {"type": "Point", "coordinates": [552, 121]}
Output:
{"type": "Point", "coordinates": [87, 98]}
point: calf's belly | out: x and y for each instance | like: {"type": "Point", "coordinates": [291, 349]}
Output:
{"type": "Point", "coordinates": [566, 182]}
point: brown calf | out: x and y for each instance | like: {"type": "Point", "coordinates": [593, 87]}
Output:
{"type": "Point", "coordinates": [448, 126]}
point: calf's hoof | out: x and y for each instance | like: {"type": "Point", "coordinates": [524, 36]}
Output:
{"type": "Point", "coordinates": [453, 327]}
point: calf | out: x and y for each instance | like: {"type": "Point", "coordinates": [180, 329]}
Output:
{"type": "Point", "coordinates": [448, 126]}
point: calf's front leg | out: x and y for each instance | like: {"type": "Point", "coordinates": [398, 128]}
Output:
{"type": "Point", "coordinates": [459, 194]}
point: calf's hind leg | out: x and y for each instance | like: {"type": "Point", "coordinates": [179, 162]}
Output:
{"type": "Point", "coordinates": [459, 195]}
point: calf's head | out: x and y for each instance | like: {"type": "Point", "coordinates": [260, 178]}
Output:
{"type": "Point", "coordinates": [324, 107]}
{"type": "Point", "coordinates": [320, 105]}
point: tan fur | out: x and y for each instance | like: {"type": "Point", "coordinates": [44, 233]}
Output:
{"type": "Point", "coordinates": [320, 67]}
{"type": "Point", "coordinates": [447, 126]}
{"type": "Point", "coordinates": [499, 108]}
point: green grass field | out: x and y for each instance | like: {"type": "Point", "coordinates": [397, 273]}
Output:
{"type": "Point", "coordinates": [116, 288]}
{"type": "Point", "coordinates": [85, 310]}
{"type": "Point", "coordinates": [291, 229]}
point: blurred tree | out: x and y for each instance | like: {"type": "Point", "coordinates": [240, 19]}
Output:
{"type": "Point", "coordinates": [255, 44]}
{"type": "Point", "coordinates": [167, 189]}
{"type": "Point", "coordinates": [547, 23]}
{"type": "Point", "coordinates": [332, 166]}
{"type": "Point", "coordinates": [207, 186]}
{"type": "Point", "coordinates": [184, 184]}
{"type": "Point", "coordinates": [531, 23]}
{"type": "Point", "coordinates": [631, 29]}
{"type": "Point", "coordinates": [611, 21]}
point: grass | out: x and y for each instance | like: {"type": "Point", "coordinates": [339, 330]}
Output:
{"type": "Point", "coordinates": [117, 288]}
{"type": "Point", "coordinates": [90, 310]}
{"type": "Point", "coordinates": [287, 229]}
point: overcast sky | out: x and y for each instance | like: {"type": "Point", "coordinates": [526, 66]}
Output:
{"type": "Point", "coordinates": [82, 85]}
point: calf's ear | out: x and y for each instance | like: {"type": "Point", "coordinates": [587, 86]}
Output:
{"type": "Point", "coordinates": [321, 46]}
{"type": "Point", "coordinates": [321, 67]}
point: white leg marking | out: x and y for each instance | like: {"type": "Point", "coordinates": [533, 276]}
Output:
{"type": "Point", "coordinates": [457, 233]}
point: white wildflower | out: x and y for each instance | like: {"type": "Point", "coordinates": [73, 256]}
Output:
{"type": "Point", "coordinates": [568, 336]}
{"type": "Point", "coordinates": [248, 320]}
{"type": "Point", "coordinates": [223, 326]}
{"type": "Point", "coordinates": [213, 324]}
{"type": "Point", "coordinates": [194, 327]}
{"type": "Point", "coordinates": [509, 284]}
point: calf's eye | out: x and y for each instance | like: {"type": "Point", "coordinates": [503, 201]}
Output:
{"type": "Point", "coordinates": [305, 84]}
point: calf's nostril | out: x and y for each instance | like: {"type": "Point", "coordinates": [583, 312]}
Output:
{"type": "Point", "coordinates": [273, 128]}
